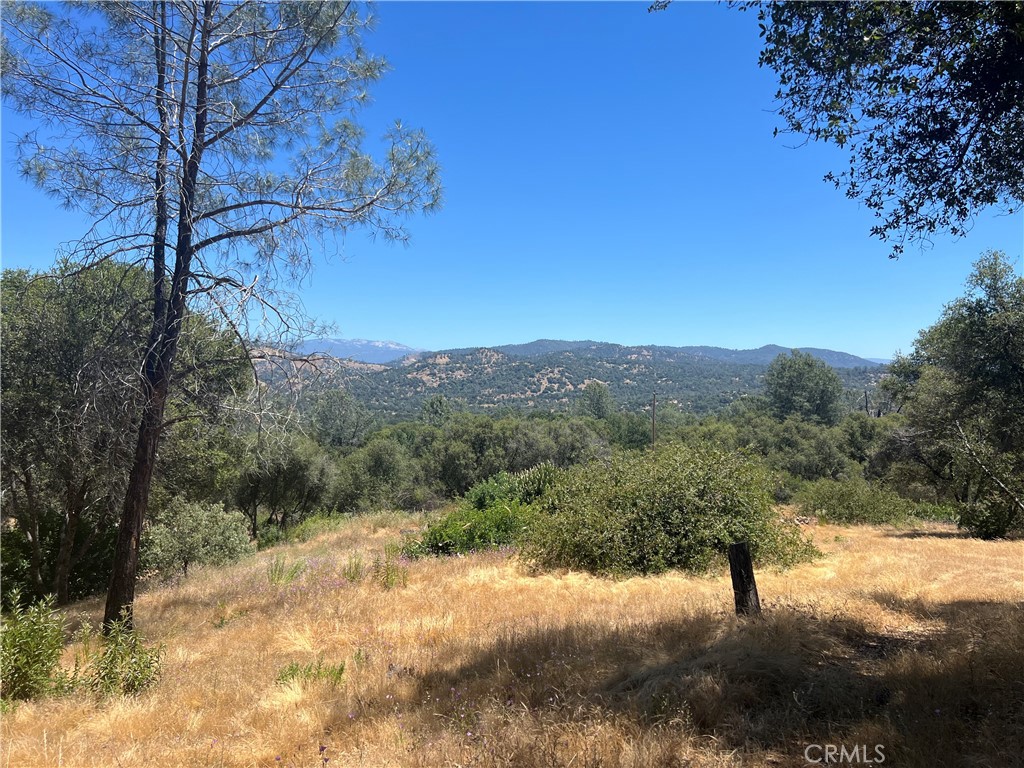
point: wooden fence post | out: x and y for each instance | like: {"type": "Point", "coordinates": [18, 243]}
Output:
{"type": "Point", "coordinates": [744, 587]}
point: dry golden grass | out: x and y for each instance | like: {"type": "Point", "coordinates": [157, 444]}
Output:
{"type": "Point", "coordinates": [908, 639]}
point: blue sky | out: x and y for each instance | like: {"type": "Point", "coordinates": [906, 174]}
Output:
{"type": "Point", "coordinates": [609, 174]}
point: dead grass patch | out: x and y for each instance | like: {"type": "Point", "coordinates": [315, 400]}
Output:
{"type": "Point", "coordinates": [909, 641]}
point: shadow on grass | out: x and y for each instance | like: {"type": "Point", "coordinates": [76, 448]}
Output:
{"type": "Point", "coordinates": [931, 534]}
{"type": "Point", "coordinates": [769, 686]}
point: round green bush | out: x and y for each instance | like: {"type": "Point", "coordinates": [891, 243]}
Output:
{"type": "Point", "coordinates": [468, 529]}
{"type": "Point", "coordinates": [189, 533]}
{"type": "Point", "coordinates": [647, 512]}
{"type": "Point", "coordinates": [990, 518]}
{"type": "Point", "coordinates": [852, 501]}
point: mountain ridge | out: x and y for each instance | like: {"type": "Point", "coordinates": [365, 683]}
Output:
{"type": "Point", "coordinates": [361, 350]}
{"type": "Point", "coordinates": [549, 375]}
{"type": "Point", "coordinates": [368, 351]}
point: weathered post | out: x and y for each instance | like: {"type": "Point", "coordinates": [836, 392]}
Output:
{"type": "Point", "coordinates": [744, 587]}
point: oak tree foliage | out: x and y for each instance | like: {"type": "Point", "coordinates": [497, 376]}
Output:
{"type": "Point", "coordinates": [801, 385]}
{"type": "Point", "coordinates": [928, 97]}
{"type": "Point", "coordinates": [962, 392]}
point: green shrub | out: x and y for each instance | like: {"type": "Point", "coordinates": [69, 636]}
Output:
{"type": "Point", "coordinates": [489, 492]}
{"type": "Point", "coordinates": [494, 514]}
{"type": "Point", "coordinates": [942, 513]}
{"type": "Point", "coordinates": [354, 570]}
{"type": "Point", "coordinates": [314, 526]}
{"type": "Point", "coordinates": [31, 643]}
{"type": "Point", "coordinates": [530, 484]}
{"type": "Point", "coordinates": [188, 534]}
{"type": "Point", "coordinates": [524, 487]}
{"type": "Point", "coordinates": [646, 512]}
{"type": "Point", "coordinates": [991, 518]}
{"type": "Point", "coordinates": [124, 665]}
{"type": "Point", "coordinates": [270, 535]}
{"type": "Point", "coordinates": [468, 529]}
{"type": "Point", "coordinates": [119, 663]}
{"type": "Point", "coordinates": [387, 571]}
{"type": "Point", "coordinates": [853, 501]}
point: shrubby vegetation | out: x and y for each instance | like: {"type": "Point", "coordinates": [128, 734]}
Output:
{"type": "Point", "coordinates": [640, 513]}
{"type": "Point", "coordinates": [191, 533]}
{"type": "Point", "coordinates": [494, 513]}
{"type": "Point", "coordinates": [468, 529]}
{"type": "Point", "coordinates": [32, 641]}
{"type": "Point", "coordinates": [852, 501]}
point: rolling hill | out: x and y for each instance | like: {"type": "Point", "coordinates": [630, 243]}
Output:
{"type": "Point", "coordinates": [549, 374]}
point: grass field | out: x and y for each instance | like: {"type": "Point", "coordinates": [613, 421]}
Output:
{"type": "Point", "coordinates": [908, 640]}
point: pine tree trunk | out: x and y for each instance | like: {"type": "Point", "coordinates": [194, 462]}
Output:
{"type": "Point", "coordinates": [121, 593]}
{"type": "Point", "coordinates": [169, 312]}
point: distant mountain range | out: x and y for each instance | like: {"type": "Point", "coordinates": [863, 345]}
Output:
{"type": "Point", "coordinates": [389, 351]}
{"type": "Point", "coordinates": [549, 374]}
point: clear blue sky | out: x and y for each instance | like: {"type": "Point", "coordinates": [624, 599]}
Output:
{"type": "Point", "coordinates": [609, 174]}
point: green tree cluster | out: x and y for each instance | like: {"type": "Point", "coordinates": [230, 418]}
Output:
{"type": "Point", "coordinates": [802, 385]}
{"type": "Point", "coordinates": [961, 393]}
{"type": "Point", "coordinates": [72, 340]}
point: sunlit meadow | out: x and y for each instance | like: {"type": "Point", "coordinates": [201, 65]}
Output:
{"type": "Point", "coordinates": [912, 639]}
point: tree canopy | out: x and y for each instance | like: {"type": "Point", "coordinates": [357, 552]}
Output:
{"type": "Point", "coordinates": [962, 389]}
{"type": "Point", "coordinates": [928, 98]}
{"type": "Point", "coordinates": [802, 385]}
{"type": "Point", "coordinates": [72, 340]}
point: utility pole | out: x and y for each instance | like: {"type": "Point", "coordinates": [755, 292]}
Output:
{"type": "Point", "coordinates": [654, 426]}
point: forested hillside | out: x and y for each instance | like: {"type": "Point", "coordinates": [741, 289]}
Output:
{"type": "Point", "coordinates": [549, 375]}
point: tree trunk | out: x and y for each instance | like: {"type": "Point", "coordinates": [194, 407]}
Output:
{"type": "Point", "coordinates": [74, 507]}
{"type": "Point", "coordinates": [168, 318]}
{"type": "Point", "coordinates": [121, 594]}
{"type": "Point", "coordinates": [743, 585]}
{"type": "Point", "coordinates": [32, 533]}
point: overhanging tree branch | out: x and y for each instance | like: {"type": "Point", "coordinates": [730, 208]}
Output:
{"type": "Point", "coordinates": [988, 472]}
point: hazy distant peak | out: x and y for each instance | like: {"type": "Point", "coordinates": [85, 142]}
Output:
{"type": "Point", "coordinates": [363, 350]}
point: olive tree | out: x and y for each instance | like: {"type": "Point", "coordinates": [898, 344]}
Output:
{"type": "Point", "coordinates": [216, 143]}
